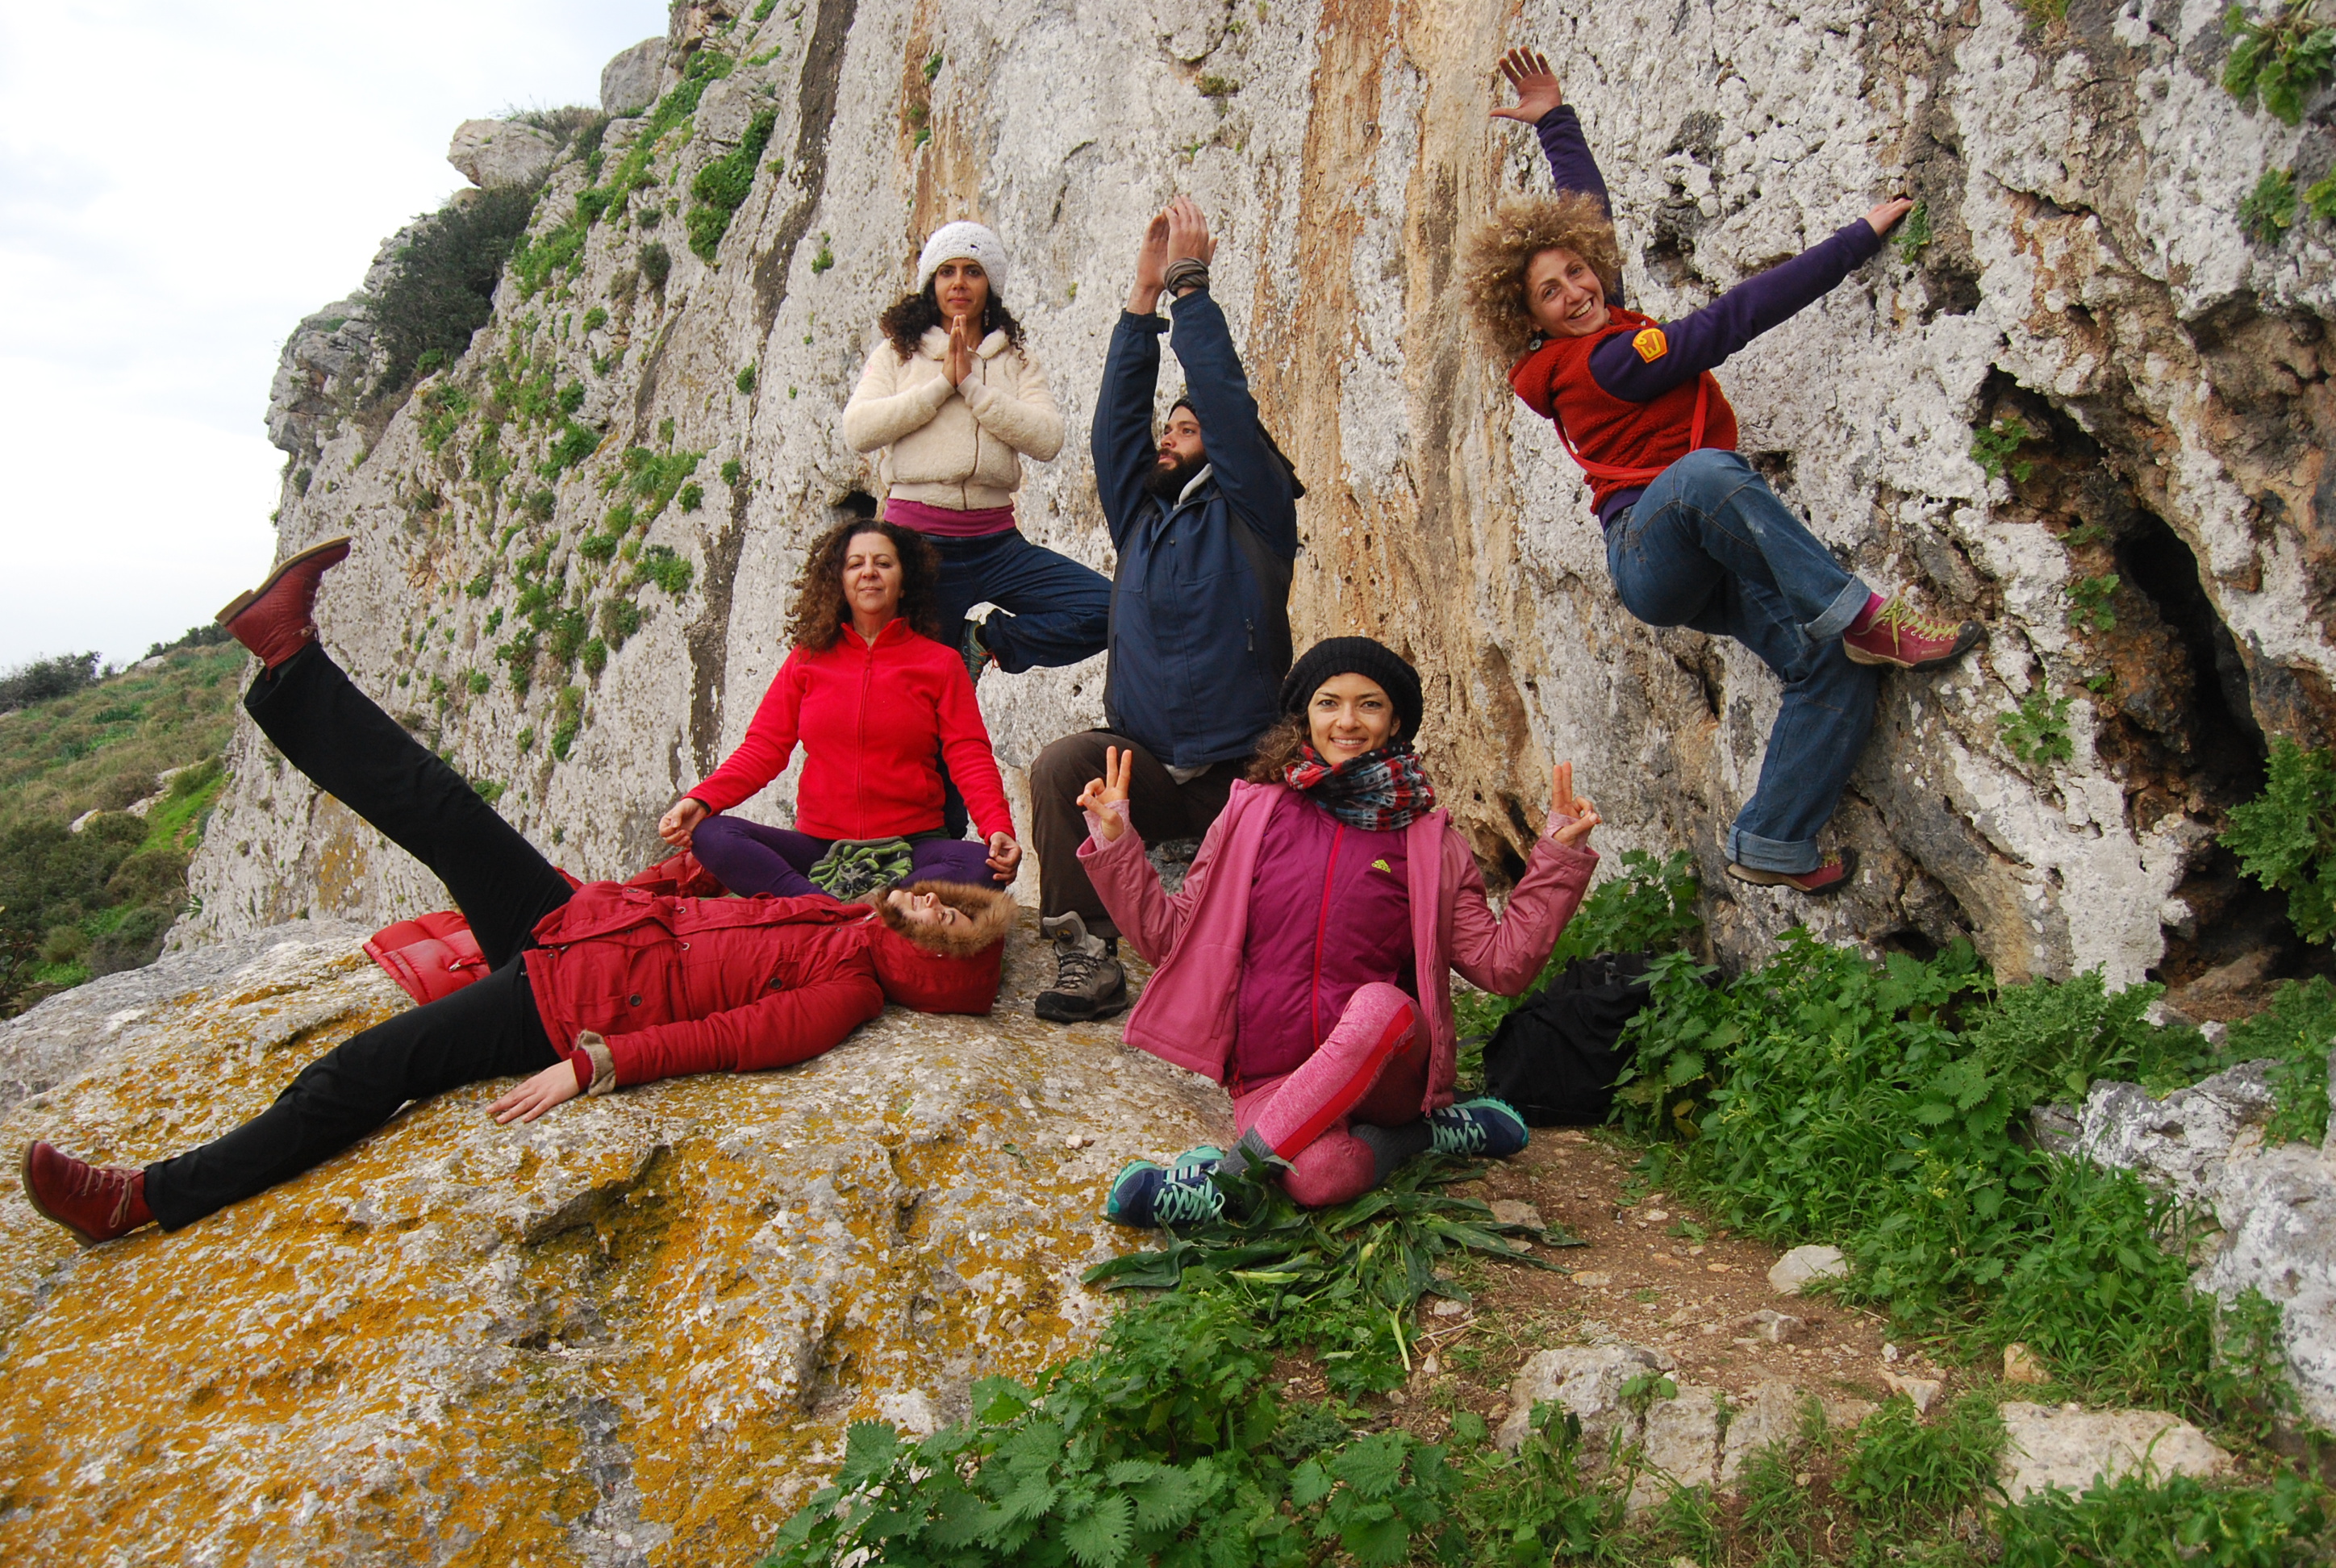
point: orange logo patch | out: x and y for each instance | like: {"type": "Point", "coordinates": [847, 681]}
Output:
{"type": "Point", "coordinates": [1650, 344]}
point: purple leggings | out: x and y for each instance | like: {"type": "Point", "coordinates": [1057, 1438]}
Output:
{"type": "Point", "coordinates": [753, 859]}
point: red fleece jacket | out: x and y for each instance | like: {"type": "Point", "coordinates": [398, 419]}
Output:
{"type": "Point", "coordinates": [873, 719]}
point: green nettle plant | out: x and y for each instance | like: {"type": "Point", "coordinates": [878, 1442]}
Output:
{"type": "Point", "coordinates": [2286, 838]}
{"type": "Point", "coordinates": [2036, 731]}
{"type": "Point", "coordinates": [2268, 211]}
{"type": "Point", "coordinates": [1913, 233]}
{"type": "Point", "coordinates": [1994, 449]}
{"type": "Point", "coordinates": [2280, 59]}
{"type": "Point", "coordinates": [2090, 601]}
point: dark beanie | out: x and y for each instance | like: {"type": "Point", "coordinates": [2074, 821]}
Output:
{"type": "Point", "coordinates": [1363, 656]}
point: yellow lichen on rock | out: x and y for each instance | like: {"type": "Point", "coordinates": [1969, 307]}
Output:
{"type": "Point", "coordinates": [635, 1330]}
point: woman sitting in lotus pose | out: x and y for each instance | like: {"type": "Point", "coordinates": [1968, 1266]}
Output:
{"type": "Point", "coordinates": [877, 705]}
{"type": "Point", "coordinates": [1694, 537]}
{"type": "Point", "coordinates": [1306, 964]}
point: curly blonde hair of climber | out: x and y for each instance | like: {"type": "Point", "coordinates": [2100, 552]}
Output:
{"type": "Point", "coordinates": [1493, 267]}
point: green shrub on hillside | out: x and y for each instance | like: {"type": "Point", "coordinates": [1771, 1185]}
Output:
{"type": "Point", "coordinates": [46, 679]}
{"type": "Point", "coordinates": [442, 286]}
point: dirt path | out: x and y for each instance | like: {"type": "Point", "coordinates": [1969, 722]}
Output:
{"type": "Point", "coordinates": [1656, 1273]}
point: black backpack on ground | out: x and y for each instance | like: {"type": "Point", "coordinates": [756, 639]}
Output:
{"type": "Point", "coordinates": [1556, 1057]}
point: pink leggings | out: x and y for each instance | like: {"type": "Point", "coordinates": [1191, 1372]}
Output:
{"type": "Point", "coordinates": [1372, 1068]}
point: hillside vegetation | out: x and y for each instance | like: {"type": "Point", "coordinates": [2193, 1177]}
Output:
{"type": "Point", "coordinates": [75, 905]}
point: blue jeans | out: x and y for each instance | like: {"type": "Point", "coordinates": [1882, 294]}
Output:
{"type": "Point", "coordinates": [1057, 611]}
{"type": "Point", "coordinates": [1710, 546]}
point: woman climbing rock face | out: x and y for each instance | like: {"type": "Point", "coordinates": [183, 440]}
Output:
{"type": "Point", "coordinates": [1306, 964]}
{"type": "Point", "coordinates": [1694, 536]}
{"type": "Point", "coordinates": [878, 706]}
{"type": "Point", "coordinates": [950, 401]}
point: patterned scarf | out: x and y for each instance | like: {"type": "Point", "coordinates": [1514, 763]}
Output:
{"type": "Point", "coordinates": [1383, 790]}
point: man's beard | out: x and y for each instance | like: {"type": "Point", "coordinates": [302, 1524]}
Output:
{"type": "Point", "coordinates": [1168, 483]}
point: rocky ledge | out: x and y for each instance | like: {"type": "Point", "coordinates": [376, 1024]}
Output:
{"type": "Point", "coordinates": [632, 1332]}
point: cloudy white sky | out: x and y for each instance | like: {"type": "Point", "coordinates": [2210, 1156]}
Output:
{"type": "Point", "coordinates": [180, 182]}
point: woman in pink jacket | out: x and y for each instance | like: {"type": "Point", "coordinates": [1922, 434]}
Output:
{"type": "Point", "coordinates": [1306, 963]}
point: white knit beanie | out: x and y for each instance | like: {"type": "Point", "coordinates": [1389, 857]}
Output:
{"type": "Point", "coordinates": [971, 242]}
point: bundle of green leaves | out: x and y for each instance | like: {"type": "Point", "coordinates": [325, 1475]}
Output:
{"type": "Point", "coordinates": [1338, 1283]}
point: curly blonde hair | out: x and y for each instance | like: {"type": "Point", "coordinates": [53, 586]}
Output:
{"type": "Point", "coordinates": [1493, 267]}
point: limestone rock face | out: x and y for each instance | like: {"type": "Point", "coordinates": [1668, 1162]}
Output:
{"type": "Point", "coordinates": [2275, 1206]}
{"type": "Point", "coordinates": [632, 1332]}
{"type": "Point", "coordinates": [2153, 561]}
{"type": "Point", "coordinates": [500, 152]}
{"type": "Point", "coordinates": [629, 83]}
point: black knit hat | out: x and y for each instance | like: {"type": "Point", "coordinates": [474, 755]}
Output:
{"type": "Point", "coordinates": [1363, 656]}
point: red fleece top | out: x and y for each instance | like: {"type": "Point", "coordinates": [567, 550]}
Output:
{"type": "Point", "coordinates": [1555, 381]}
{"type": "Point", "coordinates": [874, 720]}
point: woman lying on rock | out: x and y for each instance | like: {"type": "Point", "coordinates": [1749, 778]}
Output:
{"type": "Point", "coordinates": [590, 989]}
{"type": "Point", "coordinates": [1694, 537]}
{"type": "Point", "coordinates": [950, 401]}
{"type": "Point", "coordinates": [1305, 964]}
{"type": "Point", "coordinates": [878, 706]}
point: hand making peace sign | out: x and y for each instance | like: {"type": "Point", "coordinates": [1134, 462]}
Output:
{"type": "Point", "coordinates": [1119, 771]}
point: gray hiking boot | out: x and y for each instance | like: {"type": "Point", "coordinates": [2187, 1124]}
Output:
{"type": "Point", "coordinates": [1089, 981]}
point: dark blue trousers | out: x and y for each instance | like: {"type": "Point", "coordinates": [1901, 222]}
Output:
{"type": "Point", "coordinates": [1057, 611]}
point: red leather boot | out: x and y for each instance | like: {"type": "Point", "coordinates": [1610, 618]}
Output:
{"type": "Point", "coordinates": [277, 620]}
{"type": "Point", "coordinates": [95, 1202]}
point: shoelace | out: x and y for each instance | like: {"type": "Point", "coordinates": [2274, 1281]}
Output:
{"type": "Point", "coordinates": [1187, 1197]}
{"type": "Point", "coordinates": [94, 1181]}
{"type": "Point", "coordinates": [1456, 1132]}
{"type": "Point", "coordinates": [1902, 621]}
{"type": "Point", "coordinates": [1076, 968]}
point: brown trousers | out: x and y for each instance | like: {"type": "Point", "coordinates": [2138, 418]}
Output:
{"type": "Point", "coordinates": [1159, 806]}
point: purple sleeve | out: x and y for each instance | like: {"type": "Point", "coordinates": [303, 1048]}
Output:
{"type": "Point", "coordinates": [1703, 341]}
{"type": "Point", "coordinates": [1571, 166]}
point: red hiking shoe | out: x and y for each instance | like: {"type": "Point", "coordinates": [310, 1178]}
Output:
{"type": "Point", "coordinates": [1893, 634]}
{"type": "Point", "coordinates": [277, 618]}
{"type": "Point", "coordinates": [1829, 878]}
{"type": "Point", "coordinates": [95, 1202]}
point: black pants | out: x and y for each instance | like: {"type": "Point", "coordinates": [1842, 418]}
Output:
{"type": "Point", "coordinates": [1159, 806]}
{"type": "Point", "coordinates": [352, 750]}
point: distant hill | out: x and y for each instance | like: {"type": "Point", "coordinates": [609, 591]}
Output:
{"type": "Point", "coordinates": [140, 750]}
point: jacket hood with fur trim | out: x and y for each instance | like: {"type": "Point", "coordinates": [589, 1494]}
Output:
{"type": "Point", "coordinates": [956, 971]}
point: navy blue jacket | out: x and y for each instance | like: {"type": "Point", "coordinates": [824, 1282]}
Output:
{"type": "Point", "coordinates": [1199, 605]}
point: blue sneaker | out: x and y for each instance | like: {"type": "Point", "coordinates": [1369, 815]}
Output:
{"type": "Point", "coordinates": [1180, 1195]}
{"type": "Point", "coordinates": [1484, 1126]}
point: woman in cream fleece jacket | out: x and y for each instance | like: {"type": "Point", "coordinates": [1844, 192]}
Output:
{"type": "Point", "coordinates": [950, 401]}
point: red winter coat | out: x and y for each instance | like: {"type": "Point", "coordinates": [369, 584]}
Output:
{"type": "Point", "coordinates": [687, 985]}
{"type": "Point", "coordinates": [873, 721]}
{"type": "Point", "coordinates": [1630, 443]}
